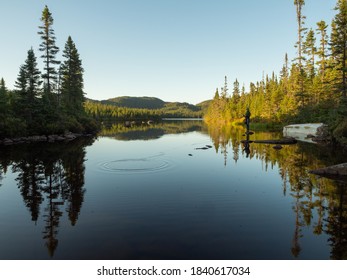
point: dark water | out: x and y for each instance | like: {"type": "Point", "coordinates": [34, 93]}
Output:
{"type": "Point", "coordinates": [158, 192]}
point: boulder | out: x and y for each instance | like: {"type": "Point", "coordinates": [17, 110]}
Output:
{"type": "Point", "coordinates": [37, 138]}
{"type": "Point", "coordinates": [69, 136]}
{"type": "Point", "coordinates": [7, 141]}
{"type": "Point", "coordinates": [308, 132]}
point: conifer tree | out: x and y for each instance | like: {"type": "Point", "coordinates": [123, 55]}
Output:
{"type": "Point", "coordinates": [310, 50]}
{"type": "Point", "coordinates": [28, 87]}
{"type": "Point", "coordinates": [216, 95]}
{"type": "Point", "coordinates": [339, 45]}
{"type": "Point", "coordinates": [72, 80]}
{"type": "Point", "coordinates": [49, 50]}
{"type": "Point", "coordinates": [322, 50]}
{"type": "Point", "coordinates": [299, 45]}
{"type": "Point", "coordinates": [225, 89]}
{"type": "Point", "coordinates": [300, 20]}
{"type": "Point", "coordinates": [3, 99]}
{"type": "Point", "coordinates": [236, 90]}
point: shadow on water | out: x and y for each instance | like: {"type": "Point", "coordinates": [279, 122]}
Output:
{"type": "Point", "coordinates": [318, 203]}
{"type": "Point", "coordinates": [50, 179]}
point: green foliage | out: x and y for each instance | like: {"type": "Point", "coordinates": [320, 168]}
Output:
{"type": "Point", "coordinates": [54, 108]}
{"type": "Point", "coordinates": [147, 131]}
{"type": "Point", "coordinates": [72, 80]}
{"type": "Point", "coordinates": [49, 50]}
{"type": "Point", "coordinates": [312, 89]}
{"type": "Point", "coordinates": [128, 111]}
{"type": "Point", "coordinates": [339, 46]}
{"type": "Point", "coordinates": [136, 102]}
{"type": "Point", "coordinates": [340, 132]}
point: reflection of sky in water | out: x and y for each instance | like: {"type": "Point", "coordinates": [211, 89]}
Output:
{"type": "Point", "coordinates": [167, 198]}
{"type": "Point", "coordinates": [198, 190]}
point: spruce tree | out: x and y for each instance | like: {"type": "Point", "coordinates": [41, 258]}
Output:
{"type": "Point", "coordinates": [310, 50]}
{"type": "Point", "coordinates": [299, 45]}
{"type": "Point", "coordinates": [28, 88]}
{"type": "Point", "coordinates": [72, 80]}
{"type": "Point", "coordinates": [236, 90]}
{"type": "Point", "coordinates": [322, 50]}
{"type": "Point", "coordinates": [216, 95]}
{"type": "Point", "coordinates": [49, 50]}
{"type": "Point", "coordinates": [3, 99]}
{"type": "Point", "coordinates": [339, 45]}
{"type": "Point", "coordinates": [224, 90]}
{"type": "Point", "coordinates": [300, 20]}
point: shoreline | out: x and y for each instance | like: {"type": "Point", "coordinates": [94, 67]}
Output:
{"type": "Point", "coordinates": [66, 137]}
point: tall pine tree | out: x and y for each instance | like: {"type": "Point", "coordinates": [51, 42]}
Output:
{"type": "Point", "coordinates": [3, 103]}
{"type": "Point", "coordinates": [28, 88]}
{"type": "Point", "coordinates": [339, 45]}
{"type": "Point", "coordinates": [72, 80]}
{"type": "Point", "coordinates": [49, 50]}
{"type": "Point", "coordinates": [322, 50]}
{"type": "Point", "coordinates": [310, 51]}
{"type": "Point", "coordinates": [299, 45]}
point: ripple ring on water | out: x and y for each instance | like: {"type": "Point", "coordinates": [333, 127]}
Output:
{"type": "Point", "coordinates": [136, 165]}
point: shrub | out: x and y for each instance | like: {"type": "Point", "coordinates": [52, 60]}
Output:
{"type": "Point", "coordinates": [340, 132]}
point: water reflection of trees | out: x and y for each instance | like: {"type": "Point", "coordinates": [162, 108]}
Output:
{"type": "Point", "coordinates": [50, 178]}
{"type": "Point", "coordinates": [318, 203]}
{"type": "Point", "coordinates": [144, 131]}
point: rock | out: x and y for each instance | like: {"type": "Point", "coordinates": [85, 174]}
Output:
{"type": "Point", "coordinates": [69, 136]}
{"type": "Point", "coordinates": [36, 138]}
{"type": "Point", "coordinates": [277, 147]}
{"type": "Point", "coordinates": [7, 141]}
{"type": "Point", "coordinates": [53, 138]}
{"type": "Point", "coordinates": [190, 155]}
{"type": "Point", "coordinates": [308, 132]}
{"type": "Point", "coordinates": [336, 170]}
{"type": "Point", "coordinates": [308, 136]}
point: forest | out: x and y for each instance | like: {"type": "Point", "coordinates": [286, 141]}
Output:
{"type": "Point", "coordinates": [50, 101]}
{"type": "Point", "coordinates": [312, 87]}
{"type": "Point", "coordinates": [139, 109]}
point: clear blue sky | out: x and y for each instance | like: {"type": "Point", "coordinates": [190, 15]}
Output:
{"type": "Point", "coordinates": [177, 50]}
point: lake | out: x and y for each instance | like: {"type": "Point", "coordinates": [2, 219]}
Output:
{"type": "Point", "coordinates": [175, 190]}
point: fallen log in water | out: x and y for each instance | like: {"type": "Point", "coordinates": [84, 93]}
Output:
{"type": "Point", "coordinates": [333, 170]}
{"type": "Point", "coordinates": [284, 141]}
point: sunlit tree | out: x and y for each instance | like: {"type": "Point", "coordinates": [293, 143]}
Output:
{"type": "Point", "coordinates": [339, 45]}
{"type": "Point", "coordinates": [49, 49]}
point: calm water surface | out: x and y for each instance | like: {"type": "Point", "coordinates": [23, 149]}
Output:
{"type": "Point", "coordinates": [178, 190]}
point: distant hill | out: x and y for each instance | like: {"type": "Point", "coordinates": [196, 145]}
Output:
{"type": "Point", "coordinates": [162, 108]}
{"type": "Point", "coordinates": [136, 102]}
{"type": "Point", "coordinates": [146, 102]}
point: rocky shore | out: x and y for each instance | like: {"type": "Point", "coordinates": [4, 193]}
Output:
{"type": "Point", "coordinates": [43, 138]}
